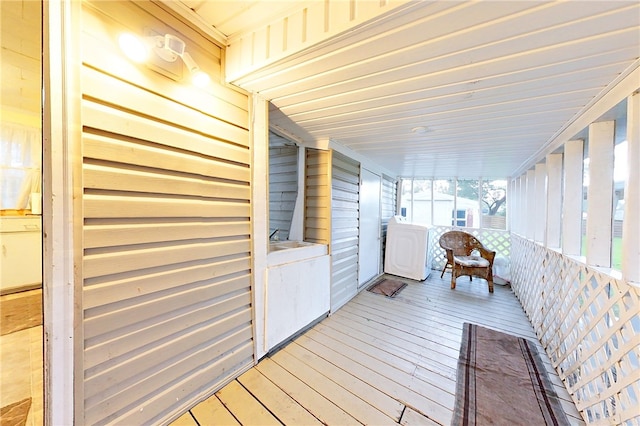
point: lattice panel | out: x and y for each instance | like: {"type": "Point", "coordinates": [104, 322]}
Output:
{"type": "Point", "coordinates": [493, 239]}
{"type": "Point", "coordinates": [589, 324]}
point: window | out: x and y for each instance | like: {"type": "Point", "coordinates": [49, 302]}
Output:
{"type": "Point", "coordinates": [415, 201]}
{"type": "Point", "coordinates": [406, 199]}
{"type": "Point", "coordinates": [467, 212]}
{"type": "Point", "coordinates": [443, 201]}
{"type": "Point", "coordinates": [494, 204]}
{"type": "Point", "coordinates": [464, 203]}
{"type": "Point", "coordinates": [460, 218]}
{"type": "Point", "coordinates": [20, 159]}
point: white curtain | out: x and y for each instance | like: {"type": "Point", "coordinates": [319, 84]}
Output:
{"type": "Point", "coordinates": [20, 165]}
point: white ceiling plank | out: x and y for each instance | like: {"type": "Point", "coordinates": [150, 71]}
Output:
{"type": "Point", "coordinates": [453, 69]}
{"type": "Point", "coordinates": [493, 81]}
{"type": "Point", "coordinates": [416, 46]}
{"type": "Point", "coordinates": [488, 89]}
{"type": "Point", "coordinates": [454, 103]}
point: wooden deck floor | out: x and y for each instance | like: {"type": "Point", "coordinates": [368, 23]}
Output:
{"type": "Point", "coordinates": [376, 361]}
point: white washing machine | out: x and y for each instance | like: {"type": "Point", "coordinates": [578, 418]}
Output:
{"type": "Point", "coordinates": [408, 252]}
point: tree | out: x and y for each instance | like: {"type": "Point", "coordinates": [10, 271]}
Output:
{"type": "Point", "coordinates": [495, 198]}
{"type": "Point", "coordinates": [494, 192]}
{"type": "Point", "coordinates": [494, 195]}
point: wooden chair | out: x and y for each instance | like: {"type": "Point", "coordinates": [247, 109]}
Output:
{"type": "Point", "coordinates": [460, 248]}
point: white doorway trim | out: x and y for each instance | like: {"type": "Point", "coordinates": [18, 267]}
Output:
{"type": "Point", "coordinates": [369, 241]}
{"type": "Point", "coordinates": [62, 201]}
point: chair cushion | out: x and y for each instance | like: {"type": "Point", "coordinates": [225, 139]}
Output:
{"type": "Point", "coordinates": [472, 261]}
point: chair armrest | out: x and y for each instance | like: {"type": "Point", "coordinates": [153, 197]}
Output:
{"type": "Point", "coordinates": [487, 254]}
{"type": "Point", "coordinates": [449, 253]}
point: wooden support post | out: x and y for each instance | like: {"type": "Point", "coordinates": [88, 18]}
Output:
{"type": "Point", "coordinates": [512, 205]}
{"type": "Point", "coordinates": [260, 210]}
{"type": "Point", "coordinates": [531, 202]}
{"type": "Point", "coordinates": [522, 204]}
{"type": "Point", "coordinates": [600, 193]}
{"type": "Point", "coordinates": [631, 224]}
{"type": "Point", "coordinates": [572, 198]}
{"type": "Point", "coordinates": [540, 205]}
{"type": "Point", "coordinates": [554, 200]}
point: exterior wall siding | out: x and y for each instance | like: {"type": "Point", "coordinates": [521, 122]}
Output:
{"type": "Point", "coordinates": [166, 299]}
{"type": "Point", "coordinates": [302, 27]}
{"type": "Point", "coordinates": [345, 189]}
{"type": "Point", "coordinates": [317, 217]}
{"type": "Point", "coordinates": [388, 207]}
{"type": "Point", "coordinates": [283, 188]}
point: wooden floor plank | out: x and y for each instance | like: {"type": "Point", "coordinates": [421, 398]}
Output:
{"type": "Point", "coordinates": [431, 356]}
{"type": "Point", "coordinates": [436, 292]}
{"type": "Point", "coordinates": [185, 420]}
{"type": "Point", "coordinates": [361, 344]}
{"type": "Point", "coordinates": [396, 338]}
{"type": "Point", "coordinates": [377, 360]}
{"type": "Point", "coordinates": [419, 316]}
{"type": "Point", "coordinates": [283, 407]}
{"type": "Point", "coordinates": [501, 311]}
{"type": "Point", "coordinates": [456, 309]}
{"type": "Point", "coordinates": [425, 316]}
{"type": "Point", "coordinates": [323, 409]}
{"type": "Point", "coordinates": [381, 350]}
{"type": "Point", "coordinates": [244, 406]}
{"type": "Point", "coordinates": [413, 418]}
{"type": "Point", "coordinates": [410, 331]}
{"type": "Point", "coordinates": [403, 354]}
{"type": "Point", "coordinates": [491, 310]}
{"type": "Point", "coordinates": [212, 412]}
{"type": "Point", "coordinates": [428, 327]}
{"type": "Point", "coordinates": [401, 385]}
{"type": "Point", "coordinates": [504, 313]}
{"type": "Point", "coordinates": [350, 403]}
{"type": "Point", "coordinates": [344, 378]}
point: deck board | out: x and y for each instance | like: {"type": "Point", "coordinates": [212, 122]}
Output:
{"type": "Point", "coordinates": [305, 394]}
{"type": "Point", "coordinates": [399, 342]}
{"type": "Point", "coordinates": [383, 402]}
{"type": "Point", "coordinates": [369, 346]}
{"type": "Point", "coordinates": [436, 400]}
{"type": "Point", "coordinates": [343, 357]}
{"type": "Point", "coordinates": [413, 418]}
{"type": "Point", "coordinates": [285, 408]}
{"type": "Point", "coordinates": [380, 361]}
{"type": "Point", "coordinates": [349, 402]}
{"type": "Point", "coordinates": [245, 408]}
{"type": "Point", "coordinates": [212, 412]}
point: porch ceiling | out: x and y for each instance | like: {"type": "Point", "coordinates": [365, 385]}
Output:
{"type": "Point", "coordinates": [492, 82]}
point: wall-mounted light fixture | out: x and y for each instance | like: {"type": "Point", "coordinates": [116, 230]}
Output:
{"type": "Point", "coordinates": [167, 47]}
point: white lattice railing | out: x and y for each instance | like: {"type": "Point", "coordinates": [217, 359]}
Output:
{"type": "Point", "coordinates": [589, 324]}
{"type": "Point", "coordinates": [493, 239]}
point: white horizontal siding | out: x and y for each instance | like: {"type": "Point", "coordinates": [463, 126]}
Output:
{"type": "Point", "coordinates": [317, 220]}
{"type": "Point", "coordinates": [167, 311]}
{"type": "Point", "coordinates": [388, 207]}
{"type": "Point", "coordinates": [283, 188]}
{"type": "Point", "coordinates": [345, 189]}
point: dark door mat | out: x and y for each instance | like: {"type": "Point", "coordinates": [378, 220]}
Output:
{"type": "Point", "coordinates": [387, 287]}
